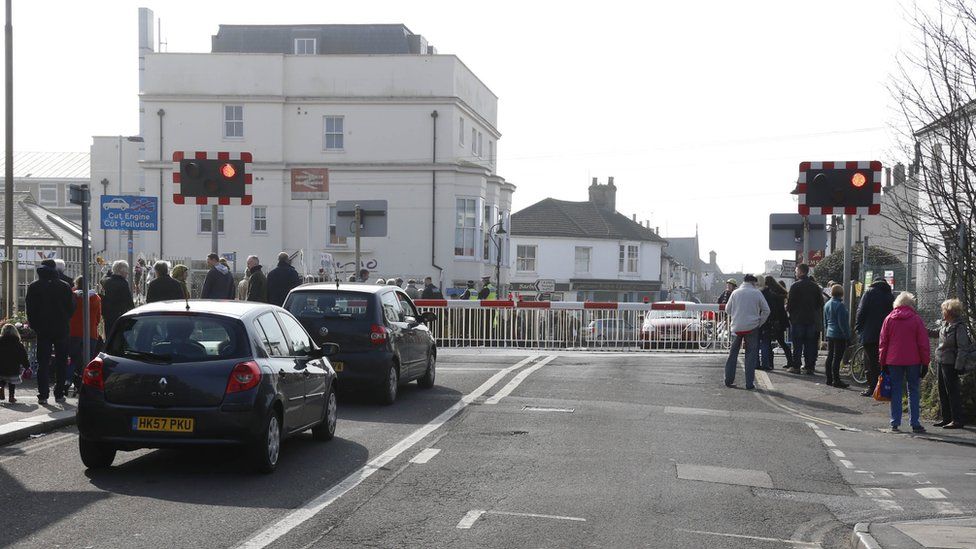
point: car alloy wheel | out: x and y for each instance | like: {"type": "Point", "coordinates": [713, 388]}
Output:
{"type": "Point", "coordinates": [390, 388]}
{"type": "Point", "coordinates": [330, 418]}
{"type": "Point", "coordinates": [274, 440]}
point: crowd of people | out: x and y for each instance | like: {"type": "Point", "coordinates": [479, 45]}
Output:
{"type": "Point", "coordinates": [893, 335]}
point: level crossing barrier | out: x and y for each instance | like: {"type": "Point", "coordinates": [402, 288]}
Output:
{"type": "Point", "coordinates": [597, 326]}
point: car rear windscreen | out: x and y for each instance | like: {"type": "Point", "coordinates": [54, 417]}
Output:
{"type": "Point", "coordinates": [338, 305]}
{"type": "Point", "coordinates": [174, 338]}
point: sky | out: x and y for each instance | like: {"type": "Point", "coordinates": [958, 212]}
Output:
{"type": "Point", "coordinates": [702, 111]}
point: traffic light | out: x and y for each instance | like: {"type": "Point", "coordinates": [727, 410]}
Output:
{"type": "Point", "coordinates": [839, 187]}
{"type": "Point", "coordinates": [223, 180]}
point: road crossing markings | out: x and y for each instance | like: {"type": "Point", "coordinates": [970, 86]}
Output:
{"type": "Point", "coordinates": [874, 493]}
{"type": "Point", "coordinates": [888, 505]}
{"type": "Point", "coordinates": [472, 516]}
{"type": "Point", "coordinates": [932, 493]}
{"type": "Point", "coordinates": [846, 463]}
{"type": "Point", "coordinates": [755, 538]}
{"type": "Point", "coordinates": [314, 506]}
{"type": "Point", "coordinates": [16, 452]}
{"type": "Point", "coordinates": [547, 409]}
{"type": "Point", "coordinates": [946, 508]}
{"type": "Point", "coordinates": [838, 453]}
{"type": "Point", "coordinates": [518, 379]}
{"type": "Point", "coordinates": [828, 442]}
{"type": "Point", "coordinates": [425, 455]}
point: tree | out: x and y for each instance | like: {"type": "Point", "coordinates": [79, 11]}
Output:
{"type": "Point", "coordinates": [832, 266]}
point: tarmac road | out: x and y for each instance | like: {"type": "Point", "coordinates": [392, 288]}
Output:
{"type": "Point", "coordinates": [510, 449]}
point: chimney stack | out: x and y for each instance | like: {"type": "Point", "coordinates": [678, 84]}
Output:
{"type": "Point", "coordinates": [899, 174]}
{"type": "Point", "coordinates": [634, 218]}
{"type": "Point", "coordinates": [711, 258]}
{"type": "Point", "coordinates": [605, 196]}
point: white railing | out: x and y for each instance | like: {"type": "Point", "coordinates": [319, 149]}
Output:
{"type": "Point", "coordinates": [664, 326]}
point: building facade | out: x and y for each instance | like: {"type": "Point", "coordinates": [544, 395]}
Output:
{"type": "Point", "coordinates": [591, 251]}
{"type": "Point", "coordinates": [46, 176]}
{"type": "Point", "coordinates": [372, 107]}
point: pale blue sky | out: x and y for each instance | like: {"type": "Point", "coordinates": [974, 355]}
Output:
{"type": "Point", "coordinates": [702, 111]}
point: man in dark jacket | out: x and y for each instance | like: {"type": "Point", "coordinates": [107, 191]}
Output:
{"type": "Point", "coordinates": [49, 309]}
{"type": "Point", "coordinates": [116, 295]}
{"type": "Point", "coordinates": [281, 280]}
{"type": "Point", "coordinates": [164, 287]}
{"type": "Point", "coordinates": [219, 283]}
{"type": "Point", "coordinates": [804, 305]}
{"type": "Point", "coordinates": [875, 305]}
{"type": "Point", "coordinates": [730, 286]}
{"type": "Point", "coordinates": [257, 283]}
{"type": "Point", "coordinates": [430, 291]}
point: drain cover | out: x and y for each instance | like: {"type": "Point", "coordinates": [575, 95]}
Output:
{"type": "Point", "coordinates": [547, 409]}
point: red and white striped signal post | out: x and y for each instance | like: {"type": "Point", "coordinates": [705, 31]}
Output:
{"type": "Point", "coordinates": [214, 178]}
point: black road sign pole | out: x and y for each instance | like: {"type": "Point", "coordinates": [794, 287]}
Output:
{"type": "Point", "coordinates": [848, 237]}
{"type": "Point", "coordinates": [806, 240]}
{"type": "Point", "coordinates": [213, 229]}
{"type": "Point", "coordinates": [358, 220]}
{"type": "Point", "coordinates": [81, 196]}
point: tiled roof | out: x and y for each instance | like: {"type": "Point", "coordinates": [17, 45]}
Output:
{"type": "Point", "coordinates": [560, 218]}
{"type": "Point", "coordinates": [37, 226]}
{"type": "Point", "coordinates": [49, 165]}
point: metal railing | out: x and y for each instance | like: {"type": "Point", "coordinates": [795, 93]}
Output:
{"type": "Point", "coordinates": [667, 326]}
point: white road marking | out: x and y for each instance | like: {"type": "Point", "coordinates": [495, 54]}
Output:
{"type": "Point", "coordinates": [839, 454]}
{"type": "Point", "coordinates": [518, 379]}
{"type": "Point", "coordinates": [828, 442]}
{"type": "Point", "coordinates": [547, 409]}
{"type": "Point", "coordinates": [971, 474]}
{"type": "Point", "coordinates": [946, 508]}
{"type": "Point", "coordinates": [888, 505]}
{"type": "Point", "coordinates": [314, 506]}
{"type": "Point", "coordinates": [38, 446]}
{"type": "Point", "coordinates": [820, 433]}
{"type": "Point", "coordinates": [534, 515]}
{"type": "Point", "coordinates": [846, 463]}
{"type": "Point", "coordinates": [932, 493]}
{"type": "Point", "coordinates": [442, 369]}
{"type": "Point", "coordinates": [903, 474]}
{"type": "Point", "coordinates": [425, 455]}
{"type": "Point", "coordinates": [756, 538]}
{"type": "Point", "coordinates": [470, 518]}
{"type": "Point", "coordinates": [874, 492]}
{"type": "Point", "coordinates": [765, 381]}
{"type": "Point", "coordinates": [812, 425]}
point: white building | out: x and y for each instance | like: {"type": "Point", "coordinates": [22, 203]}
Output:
{"type": "Point", "coordinates": [373, 104]}
{"type": "Point", "coordinates": [47, 176]}
{"type": "Point", "coordinates": [593, 252]}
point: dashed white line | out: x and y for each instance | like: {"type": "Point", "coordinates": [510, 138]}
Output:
{"type": "Point", "coordinates": [811, 425]}
{"type": "Point", "coordinates": [839, 454]}
{"type": "Point", "coordinates": [756, 538]}
{"type": "Point", "coordinates": [932, 493]}
{"type": "Point", "coordinates": [425, 455]}
{"type": "Point", "coordinates": [534, 515]}
{"type": "Point", "coordinates": [518, 379]}
{"type": "Point", "coordinates": [470, 518]}
{"type": "Point", "coordinates": [270, 534]}
{"type": "Point", "coordinates": [829, 443]}
{"type": "Point", "coordinates": [820, 433]}
{"type": "Point", "coordinates": [874, 492]}
{"type": "Point", "coordinates": [946, 508]}
{"type": "Point", "coordinates": [846, 463]}
{"type": "Point", "coordinates": [888, 505]}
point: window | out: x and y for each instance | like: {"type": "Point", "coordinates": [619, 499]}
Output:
{"type": "Point", "coordinates": [259, 219]}
{"type": "Point", "coordinates": [176, 338]}
{"type": "Point", "coordinates": [333, 133]}
{"type": "Point", "coordinates": [466, 227]}
{"type": "Point", "coordinates": [334, 238]}
{"type": "Point", "coordinates": [407, 306]}
{"type": "Point", "coordinates": [525, 258]}
{"type": "Point", "coordinates": [627, 262]}
{"type": "Point", "coordinates": [486, 243]}
{"type": "Point", "coordinates": [233, 121]}
{"type": "Point", "coordinates": [67, 195]}
{"type": "Point", "coordinates": [273, 339]}
{"type": "Point", "coordinates": [391, 307]}
{"type": "Point", "coordinates": [474, 141]}
{"type": "Point", "coordinates": [461, 131]}
{"type": "Point", "coordinates": [582, 259]}
{"type": "Point", "coordinates": [47, 195]}
{"type": "Point", "coordinates": [297, 337]}
{"type": "Point", "coordinates": [205, 226]}
{"type": "Point", "coordinates": [481, 139]}
{"type": "Point", "coordinates": [304, 46]}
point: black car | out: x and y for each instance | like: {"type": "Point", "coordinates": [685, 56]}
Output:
{"type": "Point", "coordinates": [383, 339]}
{"type": "Point", "coordinates": [178, 374]}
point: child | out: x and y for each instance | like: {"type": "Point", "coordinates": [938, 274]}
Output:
{"type": "Point", "coordinates": [13, 358]}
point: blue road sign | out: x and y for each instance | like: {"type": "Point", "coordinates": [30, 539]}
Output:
{"type": "Point", "coordinates": [129, 213]}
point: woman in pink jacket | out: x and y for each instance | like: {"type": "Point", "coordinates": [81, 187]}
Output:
{"type": "Point", "coordinates": [903, 351]}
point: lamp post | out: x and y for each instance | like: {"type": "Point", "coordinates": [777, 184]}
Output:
{"type": "Point", "coordinates": [499, 232]}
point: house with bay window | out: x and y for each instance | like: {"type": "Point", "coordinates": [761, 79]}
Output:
{"type": "Point", "coordinates": [372, 108]}
{"type": "Point", "coordinates": [590, 250]}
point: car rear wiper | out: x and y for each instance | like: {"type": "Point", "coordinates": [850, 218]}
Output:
{"type": "Point", "coordinates": [148, 355]}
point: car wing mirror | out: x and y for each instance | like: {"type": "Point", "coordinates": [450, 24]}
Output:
{"type": "Point", "coordinates": [316, 352]}
{"type": "Point", "coordinates": [329, 349]}
{"type": "Point", "coordinates": [428, 317]}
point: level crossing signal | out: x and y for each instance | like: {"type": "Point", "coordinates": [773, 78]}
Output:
{"type": "Point", "coordinates": [839, 188]}
{"type": "Point", "coordinates": [220, 178]}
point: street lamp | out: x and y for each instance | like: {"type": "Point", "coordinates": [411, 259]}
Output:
{"type": "Point", "coordinates": [499, 232]}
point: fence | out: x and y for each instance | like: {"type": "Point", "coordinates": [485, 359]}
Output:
{"type": "Point", "coordinates": [666, 326]}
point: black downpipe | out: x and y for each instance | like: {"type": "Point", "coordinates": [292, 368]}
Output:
{"type": "Point", "coordinates": [433, 205]}
{"type": "Point", "coordinates": [160, 113]}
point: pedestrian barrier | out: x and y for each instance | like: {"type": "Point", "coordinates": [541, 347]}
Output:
{"type": "Point", "coordinates": [662, 326]}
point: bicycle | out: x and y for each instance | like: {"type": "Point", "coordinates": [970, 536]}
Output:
{"type": "Point", "coordinates": [853, 364]}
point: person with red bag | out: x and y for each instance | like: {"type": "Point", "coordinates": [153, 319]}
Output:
{"type": "Point", "coordinates": [904, 353]}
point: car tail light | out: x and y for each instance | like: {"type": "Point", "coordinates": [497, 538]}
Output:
{"type": "Point", "coordinates": [246, 375]}
{"type": "Point", "coordinates": [93, 375]}
{"type": "Point", "coordinates": [378, 334]}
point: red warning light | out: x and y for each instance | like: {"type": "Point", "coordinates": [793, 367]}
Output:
{"type": "Point", "coordinates": [229, 171]}
{"type": "Point", "coordinates": [858, 180]}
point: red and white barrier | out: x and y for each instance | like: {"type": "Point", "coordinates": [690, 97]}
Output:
{"type": "Point", "coordinates": [569, 305]}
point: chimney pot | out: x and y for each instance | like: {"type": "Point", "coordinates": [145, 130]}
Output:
{"type": "Point", "coordinates": [610, 181]}
{"type": "Point", "coordinates": [594, 181]}
{"type": "Point", "coordinates": [634, 218]}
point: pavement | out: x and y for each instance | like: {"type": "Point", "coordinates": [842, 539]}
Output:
{"type": "Point", "coordinates": [522, 448]}
{"type": "Point", "coordinates": [26, 418]}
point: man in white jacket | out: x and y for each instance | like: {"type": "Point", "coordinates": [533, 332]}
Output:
{"type": "Point", "coordinates": [747, 310]}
